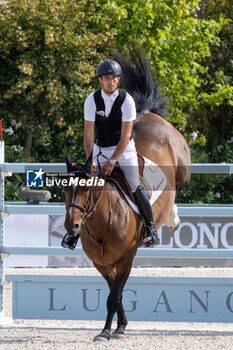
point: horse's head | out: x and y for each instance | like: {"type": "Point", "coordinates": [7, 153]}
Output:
{"type": "Point", "coordinates": [77, 194]}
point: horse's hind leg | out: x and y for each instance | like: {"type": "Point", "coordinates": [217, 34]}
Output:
{"type": "Point", "coordinates": [173, 220]}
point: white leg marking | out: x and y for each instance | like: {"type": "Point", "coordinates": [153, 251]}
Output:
{"type": "Point", "coordinates": [173, 220]}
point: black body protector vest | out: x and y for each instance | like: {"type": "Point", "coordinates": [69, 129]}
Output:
{"type": "Point", "coordinates": [108, 129]}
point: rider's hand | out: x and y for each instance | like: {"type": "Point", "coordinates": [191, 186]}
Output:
{"type": "Point", "coordinates": [107, 168]}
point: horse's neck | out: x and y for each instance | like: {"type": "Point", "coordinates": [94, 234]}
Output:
{"type": "Point", "coordinates": [114, 220]}
{"type": "Point", "coordinates": [101, 203]}
{"type": "Point", "coordinates": [104, 199]}
{"type": "Point", "coordinates": [101, 197]}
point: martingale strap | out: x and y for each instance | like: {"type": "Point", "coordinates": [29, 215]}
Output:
{"type": "Point", "coordinates": [98, 155]}
{"type": "Point", "coordinates": [90, 213]}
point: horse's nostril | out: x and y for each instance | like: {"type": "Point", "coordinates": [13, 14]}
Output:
{"type": "Point", "coordinates": [76, 226]}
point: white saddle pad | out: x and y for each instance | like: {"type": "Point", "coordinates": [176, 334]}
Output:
{"type": "Point", "coordinates": [156, 179]}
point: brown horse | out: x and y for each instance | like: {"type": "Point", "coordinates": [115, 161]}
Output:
{"type": "Point", "coordinates": [110, 230]}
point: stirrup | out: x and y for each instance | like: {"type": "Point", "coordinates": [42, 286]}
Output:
{"type": "Point", "coordinates": [151, 239]}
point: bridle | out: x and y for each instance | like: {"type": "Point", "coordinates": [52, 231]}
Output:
{"type": "Point", "coordinates": [86, 209]}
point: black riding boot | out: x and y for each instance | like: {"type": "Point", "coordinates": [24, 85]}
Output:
{"type": "Point", "coordinates": [151, 238]}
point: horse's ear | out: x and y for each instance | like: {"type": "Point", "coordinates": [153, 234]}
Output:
{"type": "Point", "coordinates": [68, 162]}
{"type": "Point", "coordinates": [88, 163]}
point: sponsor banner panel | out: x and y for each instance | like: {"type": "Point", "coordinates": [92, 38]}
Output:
{"type": "Point", "coordinates": [193, 233]}
{"type": "Point", "coordinates": [178, 299]}
{"type": "Point", "coordinates": [56, 234]}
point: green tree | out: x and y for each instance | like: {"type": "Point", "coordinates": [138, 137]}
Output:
{"type": "Point", "coordinates": [49, 50]}
{"type": "Point", "coordinates": [177, 43]}
{"type": "Point", "coordinates": [215, 119]}
{"type": "Point", "coordinates": [48, 54]}
{"type": "Point", "coordinates": [181, 44]}
{"type": "Point", "coordinates": [214, 116]}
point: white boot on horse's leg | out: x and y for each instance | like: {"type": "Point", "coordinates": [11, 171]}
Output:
{"type": "Point", "coordinates": [173, 220]}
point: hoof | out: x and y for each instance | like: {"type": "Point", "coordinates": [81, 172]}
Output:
{"type": "Point", "coordinates": [116, 335]}
{"type": "Point", "coordinates": [173, 229]}
{"type": "Point", "coordinates": [103, 337]}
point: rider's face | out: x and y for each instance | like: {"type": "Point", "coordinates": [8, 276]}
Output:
{"type": "Point", "coordinates": [109, 83]}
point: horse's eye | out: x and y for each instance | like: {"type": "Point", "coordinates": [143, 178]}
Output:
{"type": "Point", "coordinates": [86, 189]}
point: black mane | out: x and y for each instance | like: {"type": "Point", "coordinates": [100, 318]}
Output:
{"type": "Point", "coordinates": [138, 81]}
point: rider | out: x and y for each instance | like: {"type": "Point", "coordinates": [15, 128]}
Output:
{"type": "Point", "coordinates": [110, 112]}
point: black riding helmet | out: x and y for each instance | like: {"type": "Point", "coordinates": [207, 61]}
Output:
{"type": "Point", "coordinates": [108, 67]}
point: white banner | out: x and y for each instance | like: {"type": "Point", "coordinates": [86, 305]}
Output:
{"type": "Point", "coordinates": [26, 230]}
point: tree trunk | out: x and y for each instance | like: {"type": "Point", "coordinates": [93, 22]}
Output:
{"type": "Point", "coordinates": [28, 144]}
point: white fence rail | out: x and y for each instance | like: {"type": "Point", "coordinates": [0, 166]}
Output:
{"type": "Point", "coordinates": [205, 168]}
{"type": "Point", "coordinates": [141, 253]}
{"type": "Point", "coordinates": [37, 209]}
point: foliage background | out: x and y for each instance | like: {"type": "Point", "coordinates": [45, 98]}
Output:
{"type": "Point", "coordinates": [48, 54]}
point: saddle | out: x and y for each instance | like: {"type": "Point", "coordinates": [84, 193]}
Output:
{"type": "Point", "coordinates": [117, 177]}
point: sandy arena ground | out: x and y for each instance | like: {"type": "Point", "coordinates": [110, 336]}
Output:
{"type": "Point", "coordinates": [50, 334]}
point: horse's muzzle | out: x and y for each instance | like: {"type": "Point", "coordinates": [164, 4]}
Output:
{"type": "Point", "coordinates": [69, 241]}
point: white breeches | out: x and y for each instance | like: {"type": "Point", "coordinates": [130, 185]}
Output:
{"type": "Point", "coordinates": [128, 162]}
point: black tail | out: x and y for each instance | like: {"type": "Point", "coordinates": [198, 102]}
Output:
{"type": "Point", "coordinates": [138, 81]}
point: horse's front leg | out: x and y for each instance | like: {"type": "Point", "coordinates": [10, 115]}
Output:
{"type": "Point", "coordinates": [114, 304]}
{"type": "Point", "coordinates": [109, 274]}
{"type": "Point", "coordinates": [121, 317]}
{"type": "Point", "coordinates": [121, 323]}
